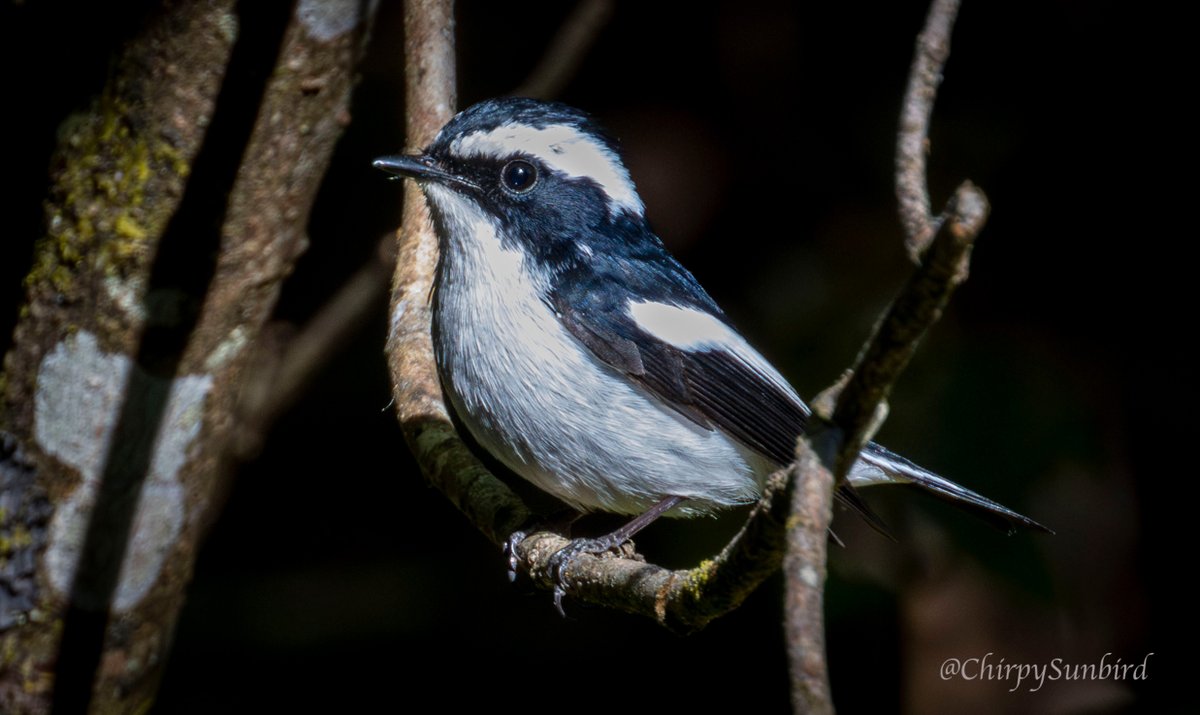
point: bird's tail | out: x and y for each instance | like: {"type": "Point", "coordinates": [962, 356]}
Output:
{"type": "Point", "coordinates": [877, 465]}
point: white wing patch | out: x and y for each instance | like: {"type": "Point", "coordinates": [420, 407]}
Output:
{"type": "Point", "coordinates": [684, 328]}
{"type": "Point", "coordinates": [695, 330]}
{"type": "Point", "coordinates": [562, 148]}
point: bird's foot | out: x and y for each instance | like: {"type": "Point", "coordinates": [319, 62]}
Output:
{"type": "Point", "coordinates": [559, 523]}
{"type": "Point", "coordinates": [564, 557]}
{"type": "Point", "coordinates": [558, 562]}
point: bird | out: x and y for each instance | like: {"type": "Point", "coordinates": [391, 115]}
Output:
{"type": "Point", "coordinates": [577, 351]}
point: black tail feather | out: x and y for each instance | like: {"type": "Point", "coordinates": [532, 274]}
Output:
{"type": "Point", "coordinates": [902, 471]}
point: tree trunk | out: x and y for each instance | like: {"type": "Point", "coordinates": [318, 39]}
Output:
{"type": "Point", "coordinates": [178, 206]}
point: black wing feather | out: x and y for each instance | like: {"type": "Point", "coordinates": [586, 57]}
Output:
{"type": "Point", "coordinates": [752, 408]}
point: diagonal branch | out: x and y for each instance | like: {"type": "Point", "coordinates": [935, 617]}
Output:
{"type": "Point", "coordinates": [919, 305]}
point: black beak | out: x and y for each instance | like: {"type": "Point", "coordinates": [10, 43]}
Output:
{"type": "Point", "coordinates": [422, 168]}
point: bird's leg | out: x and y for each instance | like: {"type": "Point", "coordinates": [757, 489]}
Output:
{"type": "Point", "coordinates": [564, 556]}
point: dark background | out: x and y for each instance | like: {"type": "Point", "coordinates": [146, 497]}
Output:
{"type": "Point", "coordinates": [761, 136]}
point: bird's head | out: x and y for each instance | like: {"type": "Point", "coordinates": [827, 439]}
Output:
{"type": "Point", "coordinates": [543, 174]}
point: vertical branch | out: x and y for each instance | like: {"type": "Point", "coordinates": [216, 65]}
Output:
{"type": "Point", "coordinates": [804, 570]}
{"type": "Point", "coordinates": [444, 459]}
{"type": "Point", "coordinates": [429, 101]}
{"type": "Point", "coordinates": [912, 139]}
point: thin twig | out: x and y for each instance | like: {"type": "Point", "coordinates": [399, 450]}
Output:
{"type": "Point", "coordinates": [566, 51]}
{"type": "Point", "coordinates": [941, 247]}
{"type": "Point", "coordinates": [338, 319]}
{"type": "Point", "coordinates": [912, 145]}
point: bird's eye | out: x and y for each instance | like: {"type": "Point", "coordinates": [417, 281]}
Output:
{"type": "Point", "coordinates": [518, 176]}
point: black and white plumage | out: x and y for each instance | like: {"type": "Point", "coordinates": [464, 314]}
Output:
{"type": "Point", "coordinates": [578, 351]}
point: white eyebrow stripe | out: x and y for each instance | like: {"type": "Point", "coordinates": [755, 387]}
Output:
{"type": "Point", "coordinates": [563, 148]}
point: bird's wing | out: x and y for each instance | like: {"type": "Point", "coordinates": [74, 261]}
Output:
{"type": "Point", "coordinates": [689, 358]}
{"type": "Point", "coordinates": [654, 323]}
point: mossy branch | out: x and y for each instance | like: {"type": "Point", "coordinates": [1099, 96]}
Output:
{"type": "Point", "coordinates": [177, 208]}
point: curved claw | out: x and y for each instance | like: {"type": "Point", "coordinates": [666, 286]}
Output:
{"type": "Point", "coordinates": [510, 551]}
{"type": "Point", "coordinates": [561, 559]}
{"type": "Point", "coordinates": [559, 522]}
{"type": "Point", "coordinates": [559, 592]}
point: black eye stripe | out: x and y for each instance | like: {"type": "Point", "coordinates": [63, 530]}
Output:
{"type": "Point", "coordinates": [518, 176]}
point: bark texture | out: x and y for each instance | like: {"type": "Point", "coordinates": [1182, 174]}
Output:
{"type": "Point", "coordinates": [178, 206]}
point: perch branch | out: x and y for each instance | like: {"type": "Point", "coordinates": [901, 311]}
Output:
{"type": "Point", "coordinates": [683, 600]}
{"type": "Point", "coordinates": [443, 457]}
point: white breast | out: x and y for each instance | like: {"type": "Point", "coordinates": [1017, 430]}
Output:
{"type": "Point", "coordinates": [538, 401]}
